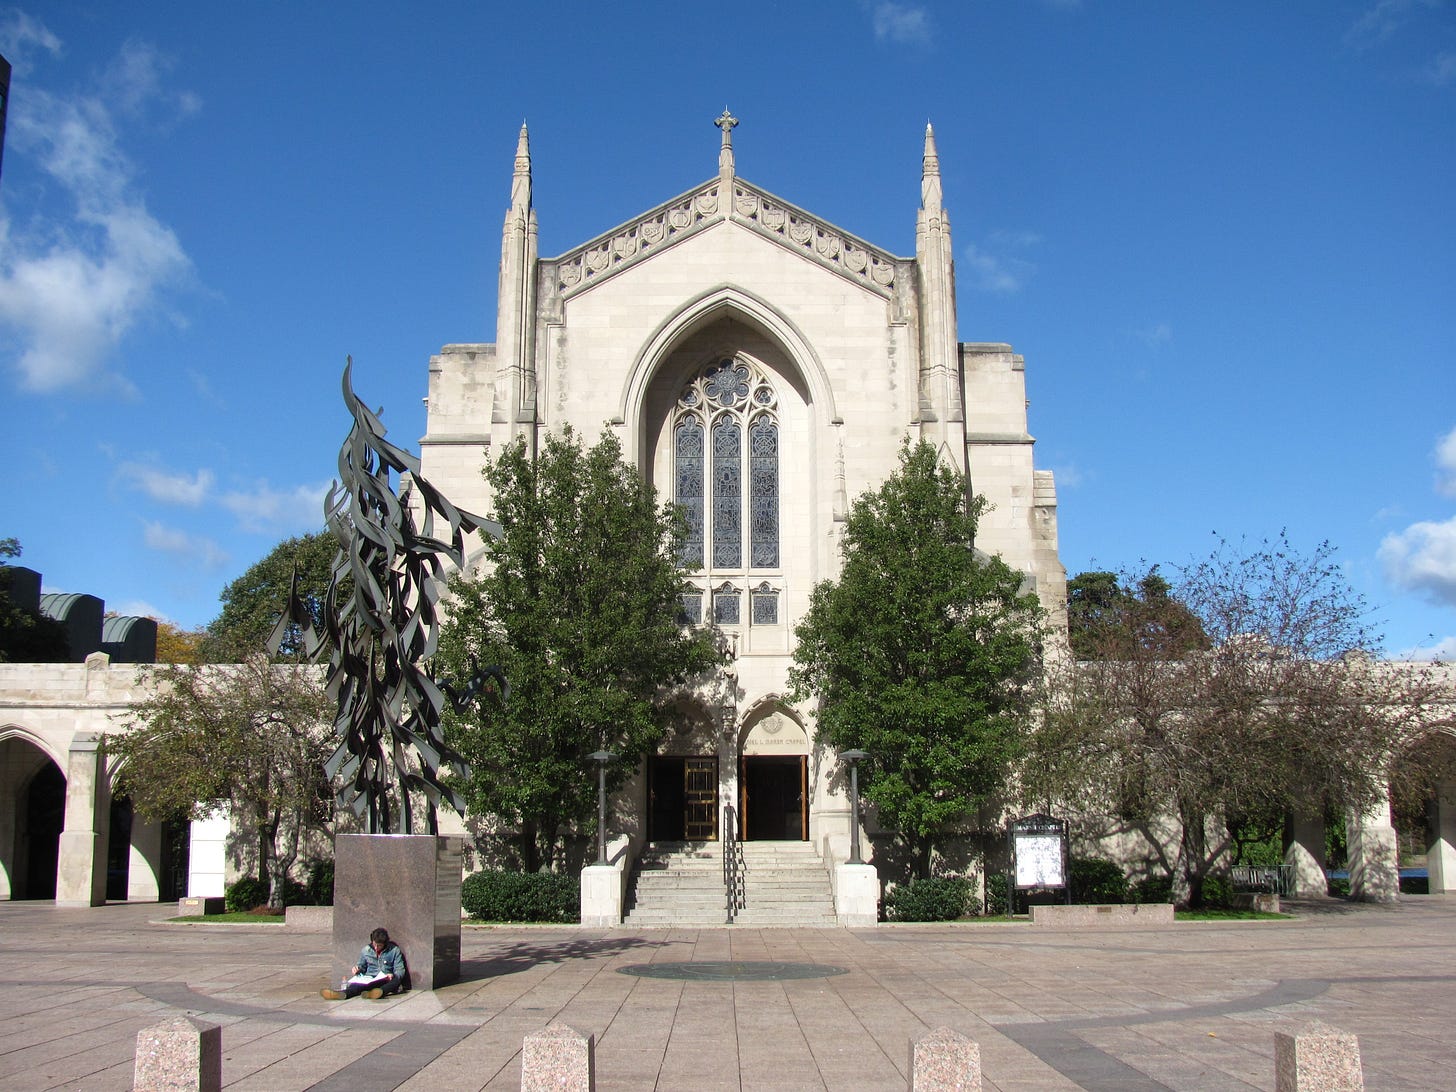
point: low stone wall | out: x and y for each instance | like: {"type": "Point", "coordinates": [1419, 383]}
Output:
{"type": "Point", "coordinates": [309, 919]}
{"type": "Point", "coordinates": [1261, 901]}
{"type": "Point", "coordinates": [1156, 913]}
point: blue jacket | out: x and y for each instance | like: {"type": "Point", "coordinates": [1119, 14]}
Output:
{"type": "Point", "coordinates": [389, 961]}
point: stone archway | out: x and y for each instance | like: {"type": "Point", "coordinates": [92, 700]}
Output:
{"type": "Point", "coordinates": [1424, 806]}
{"type": "Point", "coordinates": [32, 814]}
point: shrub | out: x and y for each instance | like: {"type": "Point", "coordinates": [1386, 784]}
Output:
{"type": "Point", "coordinates": [996, 894]}
{"type": "Point", "coordinates": [1095, 880]}
{"type": "Point", "coordinates": [1217, 891]}
{"type": "Point", "coordinates": [295, 894]}
{"type": "Point", "coordinates": [247, 893]}
{"type": "Point", "coordinates": [320, 883]}
{"type": "Point", "coordinates": [1339, 887]}
{"type": "Point", "coordinates": [1415, 885]}
{"type": "Point", "coordinates": [930, 898]}
{"type": "Point", "coordinates": [1152, 889]}
{"type": "Point", "coordinates": [497, 895]}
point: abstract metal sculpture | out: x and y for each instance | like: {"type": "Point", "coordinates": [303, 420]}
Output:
{"type": "Point", "coordinates": [381, 622]}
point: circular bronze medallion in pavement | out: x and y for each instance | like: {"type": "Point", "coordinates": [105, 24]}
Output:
{"type": "Point", "coordinates": [733, 970]}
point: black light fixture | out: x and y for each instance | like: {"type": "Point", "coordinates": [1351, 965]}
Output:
{"type": "Point", "coordinates": [601, 758]}
{"type": "Point", "coordinates": [854, 758]}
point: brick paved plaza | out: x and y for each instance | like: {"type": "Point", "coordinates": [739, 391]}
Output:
{"type": "Point", "coordinates": [1194, 1006]}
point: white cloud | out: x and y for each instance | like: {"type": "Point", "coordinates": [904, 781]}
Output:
{"type": "Point", "coordinates": [1443, 650]}
{"type": "Point", "coordinates": [1422, 558]}
{"type": "Point", "coordinates": [139, 608]}
{"type": "Point", "coordinates": [1380, 21]}
{"type": "Point", "coordinates": [1159, 333]}
{"type": "Point", "coordinates": [194, 549]}
{"type": "Point", "coordinates": [71, 288]}
{"type": "Point", "coordinates": [905, 24]}
{"type": "Point", "coordinates": [167, 487]}
{"type": "Point", "coordinates": [1442, 70]}
{"type": "Point", "coordinates": [263, 508]}
{"type": "Point", "coordinates": [996, 272]}
{"type": "Point", "coordinates": [20, 32]}
{"type": "Point", "coordinates": [1068, 476]}
{"type": "Point", "coordinates": [1446, 464]}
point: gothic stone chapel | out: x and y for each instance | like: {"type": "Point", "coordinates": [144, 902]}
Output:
{"type": "Point", "coordinates": [763, 366]}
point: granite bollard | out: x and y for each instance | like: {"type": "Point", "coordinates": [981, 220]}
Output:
{"type": "Point", "coordinates": [1318, 1058]}
{"type": "Point", "coordinates": [558, 1058]}
{"type": "Point", "coordinates": [943, 1060]}
{"type": "Point", "coordinates": [179, 1054]}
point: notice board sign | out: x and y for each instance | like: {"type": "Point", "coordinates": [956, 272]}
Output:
{"type": "Point", "coordinates": [1038, 852]}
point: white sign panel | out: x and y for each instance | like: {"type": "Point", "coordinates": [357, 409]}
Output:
{"type": "Point", "coordinates": [1039, 860]}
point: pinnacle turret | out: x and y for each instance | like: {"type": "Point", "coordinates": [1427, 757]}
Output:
{"type": "Point", "coordinates": [930, 194]}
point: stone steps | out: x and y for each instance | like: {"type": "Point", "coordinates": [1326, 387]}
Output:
{"type": "Point", "coordinates": [784, 884]}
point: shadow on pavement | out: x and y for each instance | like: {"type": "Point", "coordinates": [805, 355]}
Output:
{"type": "Point", "coordinates": [515, 958]}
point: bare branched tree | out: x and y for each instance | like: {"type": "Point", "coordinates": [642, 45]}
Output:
{"type": "Point", "coordinates": [1212, 710]}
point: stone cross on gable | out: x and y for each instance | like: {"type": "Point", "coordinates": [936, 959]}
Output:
{"type": "Point", "coordinates": [726, 122]}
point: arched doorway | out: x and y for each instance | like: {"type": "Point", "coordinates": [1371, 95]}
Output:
{"type": "Point", "coordinates": [42, 815]}
{"type": "Point", "coordinates": [682, 782]}
{"type": "Point", "coordinates": [774, 780]}
{"type": "Point", "coordinates": [1423, 807]}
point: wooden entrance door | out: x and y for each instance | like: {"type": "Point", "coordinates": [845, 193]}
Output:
{"type": "Point", "coordinates": [700, 793]}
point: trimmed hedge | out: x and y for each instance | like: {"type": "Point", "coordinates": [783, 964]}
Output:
{"type": "Point", "coordinates": [244, 894]}
{"type": "Point", "coordinates": [1096, 881]}
{"type": "Point", "coordinates": [497, 895]}
{"type": "Point", "coordinates": [996, 888]}
{"type": "Point", "coordinates": [249, 893]}
{"type": "Point", "coordinates": [930, 898]}
{"type": "Point", "coordinates": [1153, 889]}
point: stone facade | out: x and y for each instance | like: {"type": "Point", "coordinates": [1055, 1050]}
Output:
{"type": "Point", "coordinates": [56, 807]}
{"type": "Point", "coordinates": [820, 353]}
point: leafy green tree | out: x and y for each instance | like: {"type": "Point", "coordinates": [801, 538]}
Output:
{"type": "Point", "coordinates": [580, 607]}
{"type": "Point", "coordinates": [1251, 693]}
{"type": "Point", "coordinates": [1105, 609]}
{"type": "Point", "coordinates": [26, 635]}
{"type": "Point", "coordinates": [252, 603]}
{"type": "Point", "coordinates": [254, 735]}
{"type": "Point", "coordinates": [923, 653]}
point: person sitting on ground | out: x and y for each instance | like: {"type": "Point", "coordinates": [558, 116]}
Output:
{"type": "Point", "coordinates": [379, 972]}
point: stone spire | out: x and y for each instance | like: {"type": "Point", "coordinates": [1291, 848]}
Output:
{"type": "Point", "coordinates": [726, 122]}
{"type": "Point", "coordinates": [514, 399]}
{"type": "Point", "coordinates": [942, 412]}
{"type": "Point", "coordinates": [930, 194]}
{"type": "Point", "coordinates": [521, 179]}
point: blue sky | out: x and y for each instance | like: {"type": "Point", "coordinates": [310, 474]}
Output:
{"type": "Point", "coordinates": [1223, 236]}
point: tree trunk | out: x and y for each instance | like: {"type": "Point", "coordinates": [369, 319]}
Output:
{"type": "Point", "coordinates": [1194, 848]}
{"type": "Point", "coordinates": [530, 851]}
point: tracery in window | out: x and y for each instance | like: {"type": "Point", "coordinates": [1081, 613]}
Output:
{"type": "Point", "coordinates": [726, 600]}
{"type": "Point", "coordinates": [732, 402]}
{"type": "Point", "coordinates": [765, 599]}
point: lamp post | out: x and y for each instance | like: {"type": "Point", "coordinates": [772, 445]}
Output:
{"type": "Point", "coordinates": [854, 758]}
{"type": "Point", "coordinates": [601, 758]}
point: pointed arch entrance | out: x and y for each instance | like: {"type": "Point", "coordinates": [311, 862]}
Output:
{"type": "Point", "coordinates": [773, 779]}
{"type": "Point", "coordinates": [682, 781]}
{"type": "Point", "coordinates": [32, 814]}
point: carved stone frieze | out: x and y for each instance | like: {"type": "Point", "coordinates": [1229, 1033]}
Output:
{"type": "Point", "coordinates": [580, 267]}
{"type": "Point", "coordinates": [577, 269]}
{"type": "Point", "coordinates": [870, 267]}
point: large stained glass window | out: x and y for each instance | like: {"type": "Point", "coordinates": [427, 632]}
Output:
{"type": "Point", "coordinates": [726, 480]}
{"type": "Point", "coordinates": [729, 513]}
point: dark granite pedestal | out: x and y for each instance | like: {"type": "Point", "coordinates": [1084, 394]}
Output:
{"type": "Point", "coordinates": [408, 883]}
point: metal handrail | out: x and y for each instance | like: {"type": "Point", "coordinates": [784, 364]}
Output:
{"type": "Point", "coordinates": [733, 885]}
